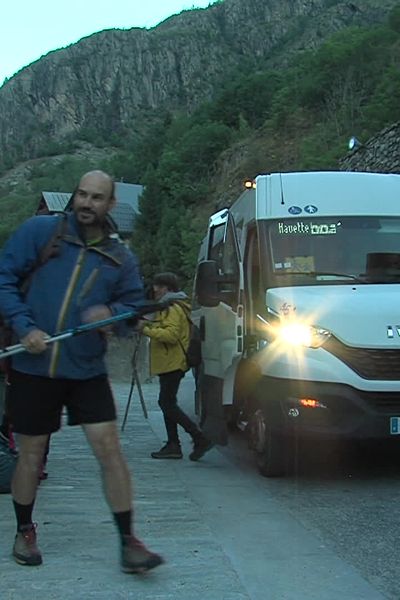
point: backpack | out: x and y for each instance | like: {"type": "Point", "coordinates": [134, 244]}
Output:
{"type": "Point", "coordinates": [193, 352]}
{"type": "Point", "coordinates": [50, 250]}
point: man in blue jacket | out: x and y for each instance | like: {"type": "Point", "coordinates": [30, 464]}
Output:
{"type": "Point", "coordinates": [92, 277]}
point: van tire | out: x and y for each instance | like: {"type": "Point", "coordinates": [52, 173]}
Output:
{"type": "Point", "coordinates": [268, 446]}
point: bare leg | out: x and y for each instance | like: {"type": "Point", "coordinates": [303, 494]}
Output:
{"type": "Point", "coordinates": [104, 440]}
{"type": "Point", "coordinates": [23, 488]}
{"type": "Point", "coordinates": [26, 474]}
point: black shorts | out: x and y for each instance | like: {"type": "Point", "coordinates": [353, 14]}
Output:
{"type": "Point", "coordinates": [36, 403]}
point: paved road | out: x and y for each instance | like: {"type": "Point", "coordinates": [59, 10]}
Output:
{"type": "Point", "coordinates": [226, 532]}
{"type": "Point", "coordinates": [346, 496]}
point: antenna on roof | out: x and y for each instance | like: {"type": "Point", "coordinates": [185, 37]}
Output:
{"type": "Point", "coordinates": [282, 196]}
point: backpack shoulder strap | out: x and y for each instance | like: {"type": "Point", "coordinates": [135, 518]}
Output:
{"type": "Point", "coordinates": [184, 309]}
{"type": "Point", "coordinates": [51, 249]}
{"type": "Point", "coordinates": [190, 323]}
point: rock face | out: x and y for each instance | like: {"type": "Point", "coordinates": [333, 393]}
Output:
{"type": "Point", "coordinates": [114, 80]}
{"type": "Point", "coordinates": [380, 153]}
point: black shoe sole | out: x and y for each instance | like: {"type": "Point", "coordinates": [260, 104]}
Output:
{"type": "Point", "coordinates": [152, 563]}
{"type": "Point", "coordinates": [197, 454]}
{"type": "Point", "coordinates": [170, 456]}
{"type": "Point", "coordinates": [27, 562]}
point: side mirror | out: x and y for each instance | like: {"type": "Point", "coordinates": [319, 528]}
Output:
{"type": "Point", "coordinates": [206, 286]}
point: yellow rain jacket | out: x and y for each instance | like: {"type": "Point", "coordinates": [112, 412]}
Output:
{"type": "Point", "coordinates": [169, 338]}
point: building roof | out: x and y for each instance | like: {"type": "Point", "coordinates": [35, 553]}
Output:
{"type": "Point", "coordinates": [124, 217]}
{"type": "Point", "coordinates": [128, 193]}
{"type": "Point", "coordinates": [56, 201]}
{"type": "Point", "coordinates": [123, 214]}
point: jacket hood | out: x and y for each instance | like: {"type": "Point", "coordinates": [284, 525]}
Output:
{"type": "Point", "coordinates": [175, 296]}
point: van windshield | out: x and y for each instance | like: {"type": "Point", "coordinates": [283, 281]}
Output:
{"type": "Point", "coordinates": [335, 249]}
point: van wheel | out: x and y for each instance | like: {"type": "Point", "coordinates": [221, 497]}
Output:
{"type": "Point", "coordinates": [267, 445]}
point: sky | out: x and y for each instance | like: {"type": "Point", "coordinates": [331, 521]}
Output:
{"type": "Point", "coordinates": [29, 28]}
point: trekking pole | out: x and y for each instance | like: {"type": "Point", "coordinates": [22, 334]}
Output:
{"type": "Point", "coordinates": [140, 310]}
{"type": "Point", "coordinates": [135, 379]}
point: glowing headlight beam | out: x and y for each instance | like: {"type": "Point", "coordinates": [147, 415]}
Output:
{"type": "Point", "coordinates": [296, 333]}
{"type": "Point", "coordinates": [300, 334]}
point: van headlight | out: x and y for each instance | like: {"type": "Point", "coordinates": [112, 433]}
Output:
{"type": "Point", "coordinates": [300, 334]}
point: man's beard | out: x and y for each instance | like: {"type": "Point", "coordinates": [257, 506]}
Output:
{"type": "Point", "coordinates": [83, 217]}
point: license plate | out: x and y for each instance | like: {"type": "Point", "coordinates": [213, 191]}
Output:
{"type": "Point", "coordinates": [394, 425]}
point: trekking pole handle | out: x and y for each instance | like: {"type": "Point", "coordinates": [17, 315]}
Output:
{"type": "Point", "coordinates": [132, 314]}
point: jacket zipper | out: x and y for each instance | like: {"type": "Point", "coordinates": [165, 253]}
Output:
{"type": "Point", "coordinates": [88, 285]}
{"type": "Point", "coordinates": [55, 352]}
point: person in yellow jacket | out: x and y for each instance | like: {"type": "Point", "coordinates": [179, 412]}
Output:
{"type": "Point", "coordinates": [169, 340]}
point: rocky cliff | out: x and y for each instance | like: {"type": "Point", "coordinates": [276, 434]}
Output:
{"type": "Point", "coordinates": [380, 153]}
{"type": "Point", "coordinates": [114, 80]}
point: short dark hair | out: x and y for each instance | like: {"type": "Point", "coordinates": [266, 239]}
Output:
{"type": "Point", "coordinates": [169, 280]}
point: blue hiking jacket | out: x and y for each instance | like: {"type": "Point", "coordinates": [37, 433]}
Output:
{"type": "Point", "coordinates": [61, 290]}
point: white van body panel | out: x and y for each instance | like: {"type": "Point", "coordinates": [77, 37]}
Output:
{"type": "Point", "coordinates": [333, 193]}
{"type": "Point", "coordinates": [358, 315]}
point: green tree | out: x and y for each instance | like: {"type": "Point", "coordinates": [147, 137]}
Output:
{"type": "Point", "coordinates": [394, 19]}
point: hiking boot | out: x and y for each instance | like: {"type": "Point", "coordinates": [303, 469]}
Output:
{"type": "Point", "coordinates": [170, 450]}
{"type": "Point", "coordinates": [135, 558]}
{"type": "Point", "coordinates": [201, 445]}
{"type": "Point", "coordinates": [25, 550]}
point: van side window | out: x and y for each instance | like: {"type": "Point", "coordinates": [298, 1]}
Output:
{"type": "Point", "coordinates": [230, 264]}
{"type": "Point", "coordinates": [222, 249]}
{"type": "Point", "coordinates": [230, 269]}
{"type": "Point", "coordinates": [216, 244]}
{"type": "Point", "coordinates": [255, 297]}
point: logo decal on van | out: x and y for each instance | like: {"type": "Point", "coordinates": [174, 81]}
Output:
{"type": "Point", "coordinates": [392, 331]}
{"type": "Point", "coordinates": [294, 210]}
{"type": "Point", "coordinates": [310, 209]}
{"type": "Point", "coordinates": [287, 309]}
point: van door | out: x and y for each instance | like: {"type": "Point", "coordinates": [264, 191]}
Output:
{"type": "Point", "coordinates": [223, 326]}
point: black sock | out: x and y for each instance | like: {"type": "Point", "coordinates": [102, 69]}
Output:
{"type": "Point", "coordinates": [123, 521]}
{"type": "Point", "coordinates": [23, 512]}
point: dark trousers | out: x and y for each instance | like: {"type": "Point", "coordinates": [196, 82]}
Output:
{"type": "Point", "coordinates": [173, 415]}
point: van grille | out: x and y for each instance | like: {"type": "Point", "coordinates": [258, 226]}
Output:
{"type": "Point", "coordinates": [369, 363]}
{"type": "Point", "coordinates": [386, 403]}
